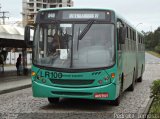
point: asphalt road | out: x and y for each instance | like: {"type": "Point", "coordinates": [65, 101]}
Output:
{"type": "Point", "coordinates": [150, 59]}
{"type": "Point", "coordinates": [21, 104]}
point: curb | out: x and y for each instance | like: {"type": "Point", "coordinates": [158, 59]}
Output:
{"type": "Point", "coordinates": [15, 89]}
{"type": "Point", "coordinates": [143, 112]}
{"type": "Point", "coordinates": [146, 110]}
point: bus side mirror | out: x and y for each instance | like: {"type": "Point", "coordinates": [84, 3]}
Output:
{"type": "Point", "coordinates": [122, 35]}
{"type": "Point", "coordinates": [27, 35]}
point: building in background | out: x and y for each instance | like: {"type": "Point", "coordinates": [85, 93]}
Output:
{"type": "Point", "coordinates": [30, 8]}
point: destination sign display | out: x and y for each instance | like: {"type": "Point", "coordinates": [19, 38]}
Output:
{"type": "Point", "coordinates": [84, 15]}
{"type": "Point", "coordinates": [74, 15]}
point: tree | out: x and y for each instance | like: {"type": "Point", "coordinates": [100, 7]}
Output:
{"type": "Point", "coordinates": [149, 41]}
{"type": "Point", "coordinates": [152, 40]}
{"type": "Point", "coordinates": [157, 48]}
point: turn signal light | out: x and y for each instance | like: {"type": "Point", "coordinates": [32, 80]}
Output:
{"type": "Point", "coordinates": [112, 75]}
{"type": "Point", "coordinates": [33, 73]}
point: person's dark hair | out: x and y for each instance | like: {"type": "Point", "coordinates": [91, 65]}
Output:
{"type": "Point", "coordinates": [19, 55]}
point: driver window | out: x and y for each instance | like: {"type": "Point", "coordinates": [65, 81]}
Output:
{"type": "Point", "coordinates": [53, 40]}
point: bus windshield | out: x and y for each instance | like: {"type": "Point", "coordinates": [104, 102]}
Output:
{"type": "Point", "coordinates": [75, 46]}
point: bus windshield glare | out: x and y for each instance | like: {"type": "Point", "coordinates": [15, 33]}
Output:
{"type": "Point", "coordinates": [74, 46]}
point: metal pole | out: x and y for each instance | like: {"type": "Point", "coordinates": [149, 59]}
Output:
{"type": "Point", "coordinates": [3, 17]}
{"type": "Point", "coordinates": [138, 24]}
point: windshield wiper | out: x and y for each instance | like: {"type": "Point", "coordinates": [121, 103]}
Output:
{"type": "Point", "coordinates": [85, 30]}
{"type": "Point", "coordinates": [80, 36]}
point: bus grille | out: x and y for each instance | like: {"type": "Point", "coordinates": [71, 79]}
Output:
{"type": "Point", "coordinates": [71, 81]}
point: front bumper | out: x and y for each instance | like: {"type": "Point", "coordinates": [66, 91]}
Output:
{"type": "Point", "coordinates": [45, 91]}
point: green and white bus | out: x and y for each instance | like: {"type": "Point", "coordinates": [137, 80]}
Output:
{"type": "Point", "coordinates": [84, 53]}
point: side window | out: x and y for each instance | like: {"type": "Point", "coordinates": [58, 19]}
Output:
{"type": "Point", "coordinates": [133, 41]}
{"type": "Point", "coordinates": [127, 33]}
{"type": "Point", "coordinates": [119, 25]}
{"type": "Point", "coordinates": [130, 34]}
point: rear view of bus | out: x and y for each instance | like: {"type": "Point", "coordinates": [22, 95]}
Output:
{"type": "Point", "coordinates": [74, 55]}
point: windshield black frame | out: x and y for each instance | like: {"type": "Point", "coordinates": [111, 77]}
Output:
{"type": "Point", "coordinates": [70, 68]}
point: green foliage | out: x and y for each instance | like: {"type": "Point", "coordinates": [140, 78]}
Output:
{"type": "Point", "coordinates": [149, 41]}
{"type": "Point", "coordinates": [157, 48]}
{"type": "Point", "coordinates": [152, 40]}
{"type": "Point", "coordinates": [155, 91]}
{"type": "Point", "coordinates": [154, 53]}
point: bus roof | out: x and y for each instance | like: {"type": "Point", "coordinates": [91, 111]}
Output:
{"type": "Point", "coordinates": [89, 8]}
{"type": "Point", "coordinates": [74, 8]}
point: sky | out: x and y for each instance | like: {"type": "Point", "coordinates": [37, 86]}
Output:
{"type": "Point", "coordinates": [143, 14]}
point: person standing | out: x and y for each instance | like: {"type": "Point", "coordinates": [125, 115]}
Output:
{"type": "Point", "coordinates": [18, 64]}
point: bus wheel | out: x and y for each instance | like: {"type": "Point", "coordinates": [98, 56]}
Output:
{"type": "Point", "coordinates": [53, 100]}
{"type": "Point", "coordinates": [140, 78]}
{"type": "Point", "coordinates": [131, 87]}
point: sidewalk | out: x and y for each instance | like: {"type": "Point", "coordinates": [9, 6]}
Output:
{"type": "Point", "coordinates": [9, 81]}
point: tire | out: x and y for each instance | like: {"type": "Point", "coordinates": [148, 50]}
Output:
{"type": "Point", "coordinates": [53, 100]}
{"type": "Point", "coordinates": [116, 102]}
{"type": "Point", "coordinates": [131, 87]}
{"type": "Point", "coordinates": [140, 78]}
